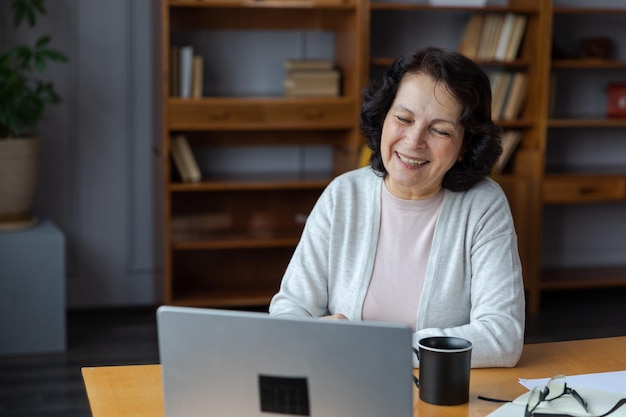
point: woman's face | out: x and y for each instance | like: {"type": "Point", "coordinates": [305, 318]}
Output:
{"type": "Point", "coordinates": [422, 137]}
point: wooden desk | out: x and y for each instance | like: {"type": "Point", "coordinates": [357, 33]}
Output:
{"type": "Point", "coordinates": [137, 391]}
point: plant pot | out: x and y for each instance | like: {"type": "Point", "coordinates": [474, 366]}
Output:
{"type": "Point", "coordinates": [19, 162]}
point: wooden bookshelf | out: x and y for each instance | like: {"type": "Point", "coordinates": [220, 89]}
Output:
{"type": "Point", "coordinates": [228, 238]}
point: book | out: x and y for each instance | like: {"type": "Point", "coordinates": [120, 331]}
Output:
{"type": "Point", "coordinates": [515, 40]}
{"type": "Point", "coordinates": [497, 30]}
{"type": "Point", "coordinates": [471, 35]}
{"type": "Point", "coordinates": [500, 86]}
{"type": "Point", "coordinates": [308, 64]}
{"type": "Point", "coordinates": [510, 140]}
{"type": "Point", "coordinates": [186, 69]}
{"type": "Point", "coordinates": [516, 96]}
{"type": "Point", "coordinates": [184, 159]}
{"type": "Point", "coordinates": [505, 36]}
{"type": "Point", "coordinates": [489, 36]}
{"type": "Point", "coordinates": [317, 83]}
{"type": "Point", "coordinates": [197, 77]}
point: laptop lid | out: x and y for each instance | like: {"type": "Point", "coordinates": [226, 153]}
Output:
{"type": "Point", "coordinates": [247, 364]}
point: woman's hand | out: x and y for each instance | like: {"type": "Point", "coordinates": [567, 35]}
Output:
{"type": "Point", "coordinates": [336, 317]}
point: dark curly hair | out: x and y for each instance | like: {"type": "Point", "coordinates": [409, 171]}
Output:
{"type": "Point", "coordinates": [465, 81]}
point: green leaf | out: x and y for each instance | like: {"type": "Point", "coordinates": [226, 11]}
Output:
{"type": "Point", "coordinates": [54, 55]}
{"type": "Point", "coordinates": [42, 42]}
{"type": "Point", "coordinates": [27, 9]}
{"type": "Point", "coordinates": [23, 97]}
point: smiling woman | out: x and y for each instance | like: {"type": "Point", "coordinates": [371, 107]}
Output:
{"type": "Point", "coordinates": [421, 236]}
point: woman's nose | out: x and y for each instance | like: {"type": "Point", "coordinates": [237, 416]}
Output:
{"type": "Point", "coordinates": [416, 138]}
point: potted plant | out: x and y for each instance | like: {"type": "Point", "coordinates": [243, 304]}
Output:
{"type": "Point", "coordinates": [23, 101]}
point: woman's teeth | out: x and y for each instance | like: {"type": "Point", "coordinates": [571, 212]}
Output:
{"type": "Point", "coordinates": [410, 161]}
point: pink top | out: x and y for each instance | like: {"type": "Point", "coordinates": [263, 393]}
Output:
{"type": "Point", "coordinates": [404, 242]}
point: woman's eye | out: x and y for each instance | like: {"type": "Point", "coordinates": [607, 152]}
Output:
{"type": "Point", "coordinates": [441, 133]}
{"type": "Point", "coordinates": [402, 119]}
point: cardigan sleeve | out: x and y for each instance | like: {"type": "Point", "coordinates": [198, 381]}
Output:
{"type": "Point", "coordinates": [475, 288]}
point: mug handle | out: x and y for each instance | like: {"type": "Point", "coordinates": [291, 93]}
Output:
{"type": "Point", "coordinates": [416, 379]}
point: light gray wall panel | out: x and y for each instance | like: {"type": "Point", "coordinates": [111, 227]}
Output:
{"type": "Point", "coordinates": [96, 174]}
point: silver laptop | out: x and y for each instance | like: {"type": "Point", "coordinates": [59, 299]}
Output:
{"type": "Point", "coordinates": [246, 364]}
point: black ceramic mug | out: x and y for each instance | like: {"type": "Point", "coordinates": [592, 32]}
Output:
{"type": "Point", "coordinates": [444, 371]}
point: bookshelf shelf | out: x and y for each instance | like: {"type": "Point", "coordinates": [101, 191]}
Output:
{"type": "Point", "coordinates": [591, 277]}
{"type": "Point", "coordinates": [589, 10]}
{"type": "Point", "coordinates": [588, 64]}
{"type": "Point", "coordinates": [520, 8]}
{"type": "Point", "coordinates": [261, 113]}
{"type": "Point", "coordinates": [260, 4]}
{"type": "Point", "coordinates": [587, 123]}
{"type": "Point", "coordinates": [261, 182]}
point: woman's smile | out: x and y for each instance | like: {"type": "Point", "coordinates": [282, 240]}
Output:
{"type": "Point", "coordinates": [412, 162]}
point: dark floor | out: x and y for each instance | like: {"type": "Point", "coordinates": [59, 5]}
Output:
{"type": "Point", "coordinates": [51, 385]}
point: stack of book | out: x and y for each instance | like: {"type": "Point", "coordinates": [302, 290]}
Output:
{"type": "Point", "coordinates": [493, 36]}
{"type": "Point", "coordinates": [186, 72]}
{"type": "Point", "coordinates": [311, 78]}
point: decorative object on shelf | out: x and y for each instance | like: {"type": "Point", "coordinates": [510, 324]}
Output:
{"type": "Point", "coordinates": [616, 105]}
{"type": "Point", "coordinates": [23, 100]}
{"type": "Point", "coordinates": [597, 48]}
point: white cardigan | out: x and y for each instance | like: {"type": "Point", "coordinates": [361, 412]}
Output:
{"type": "Point", "coordinates": [473, 287]}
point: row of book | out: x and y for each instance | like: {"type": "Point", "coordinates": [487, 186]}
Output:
{"type": "Point", "coordinates": [186, 72]}
{"type": "Point", "coordinates": [509, 91]}
{"type": "Point", "coordinates": [311, 78]}
{"type": "Point", "coordinates": [493, 36]}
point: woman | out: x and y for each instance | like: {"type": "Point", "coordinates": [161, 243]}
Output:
{"type": "Point", "coordinates": [422, 236]}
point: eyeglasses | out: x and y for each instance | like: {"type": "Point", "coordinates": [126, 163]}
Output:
{"type": "Point", "coordinates": [555, 388]}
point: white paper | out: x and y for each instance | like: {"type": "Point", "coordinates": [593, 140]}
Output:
{"type": "Point", "coordinates": [605, 381]}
